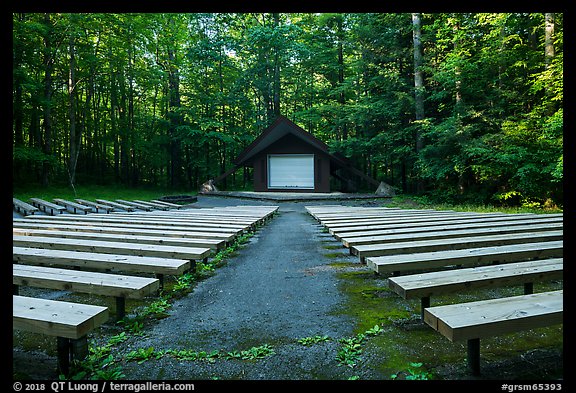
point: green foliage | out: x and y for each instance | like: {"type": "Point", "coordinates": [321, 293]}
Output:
{"type": "Point", "coordinates": [141, 355]}
{"type": "Point", "coordinates": [183, 282]}
{"type": "Point", "coordinates": [157, 309]}
{"type": "Point", "coordinates": [257, 352]}
{"type": "Point", "coordinates": [184, 354]}
{"type": "Point", "coordinates": [415, 373]}
{"type": "Point", "coordinates": [308, 341]}
{"type": "Point", "coordinates": [350, 351]}
{"type": "Point", "coordinates": [99, 364]}
{"type": "Point", "coordinates": [174, 105]}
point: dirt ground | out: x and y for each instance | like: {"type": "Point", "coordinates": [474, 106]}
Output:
{"type": "Point", "coordinates": [283, 286]}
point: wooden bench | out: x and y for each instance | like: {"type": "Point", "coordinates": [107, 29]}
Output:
{"type": "Point", "coordinates": [190, 253]}
{"type": "Point", "coordinates": [136, 228]}
{"type": "Point", "coordinates": [130, 229]}
{"type": "Point", "coordinates": [104, 284]}
{"type": "Point", "coordinates": [339, 232]}
{"type": "Point", "coordinates": [23, 207]}
{"type": "Point", "coordinates": [75, 207]}
{"type": "Point", "coordinates": [398, 218]}
{"type": "Point", "coordinates": [103, 262]}
{"type": "Point", "coordinates": [69, 322]}
{"type": "Point", "coordinates": [364, 251]}
{"type": "Point", "coordinates": [472, 321]}
{"type": "Point", "coordinates": [390, 230]}
{"type": "Point", "coordinates": [466, 257]}
{"type": "Point", "coordinates": [167, 204]}
{"type": "Point", "coordinates": [47, 206]}
{"type": "Point", "coordinates": [153, 205]}
{"type": "Point", "coordinates": [116, 205]}
{"type": "Point", "coordinates": [441, 232]}
{"type": "Point", "coordinates": [135, 205]}
{"type": "Point", "coordinates": [148, 219]}
{"type": "Point", "coordinates": [96, 206]}
{"type": "Point", "coordinates": [425, 285]}
{"type": "Point", "coordinates": [215, 244]}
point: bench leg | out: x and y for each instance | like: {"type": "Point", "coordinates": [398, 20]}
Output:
{"type": "Point", "coordinates": [63, 344]}
{"type": "Point", "coordinates": [120, 307]}
{"type": "Point", "coordinates": [424, 303]}
{"type": "Point", "coordinates": [474, 356]}
{"type": "Point", "coordinates": [79, 348]}
{"type": "Point", "coordinates": [70, 350]}
{"type": "Point", "coordinates": [528, 288]}
{"type": "Point", "coordinates": [160, 278]}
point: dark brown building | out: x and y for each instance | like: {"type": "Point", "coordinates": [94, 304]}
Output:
{"type": "Point", "coordinates": [285, 157]}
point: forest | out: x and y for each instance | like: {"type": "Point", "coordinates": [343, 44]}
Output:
{"type": "Point", "coordinates": [462, 107]}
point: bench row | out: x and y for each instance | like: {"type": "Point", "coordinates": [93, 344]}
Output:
{"type": "Point", "coordinates": [448, 252]}
{"type": "Point", "coordinates": [84, 206]}
{"type": "Point", "coordinates": [54, 261]}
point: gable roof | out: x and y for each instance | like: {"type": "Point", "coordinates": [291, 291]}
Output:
{"type": "Point", "coordinates": [280, 128]}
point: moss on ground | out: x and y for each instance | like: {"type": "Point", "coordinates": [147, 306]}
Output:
{"type": "Point", "coordinates": [407, 340]}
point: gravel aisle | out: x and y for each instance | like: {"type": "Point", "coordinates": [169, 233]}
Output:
{"type": "Point", "coordinates": [280, 288]}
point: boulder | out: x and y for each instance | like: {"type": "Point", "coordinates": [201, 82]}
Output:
{"type": "Point", "coordinates": [385, 190]}
{"type": "Point", "coordinates": [208, 187]}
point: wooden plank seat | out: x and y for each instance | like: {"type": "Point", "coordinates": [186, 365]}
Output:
{"type": "Point", "coordinates": [369, 250]}
{"type": "Point", "coordinates": [353, 236]}
{"type": "Point", "coordinates": [207, 233]}
{"type": "Point", "coordinates": [47, 207]}
{"type": "Point", "coordinates": [129, 229]}
{"type": "Point", "coordinates": [23, 207]}
{"type": "Point", "coordinates": [69, 322]}
{"type": "Point", "coordinates": [153, 205]}
{"type": "Point", "coordinates": [190, 253]}
{"type": "Point", "coordinates": [75, 207]}
{"type": "Point", "coordinates": [425, 285]}
{"type": "Point", "coordinates": [402, 217]}
{"type": "Point", "coordinates": [130, 218]}
{"type": "Point", "coordinates": [95, 205]}
{"type": "Point", "coordinates": [117, 205]}
{"type": "Point", "coordinates": [167, 204]}
{"type": "Point", "coordinates": [135, 205]}
{"type": "Point", "coordinates": [361, 218]}
{"type": "Point", "coordinates": [472, 321]}
{"type": "Point", "coordinates": [200, 217]}
{"type": "Point", "coordinates": [102, 261]}
{"type": "Point", "coordinates": [167, 218]}
{"type": "Point", "coordinates": [237, 211]}
{"type": "Point", "coordinates": [214, 244]}
{"type": "Point", "coordinates": [445, 221]}
{"type": "Point", "coordinates": [448, 234]}
{"type": "Point", "coordinates": [104, 284]}
{"type": "Point", "coordinates": [466, 257]}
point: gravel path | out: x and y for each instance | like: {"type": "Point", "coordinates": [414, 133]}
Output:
{"type": "Point", "coordinates": [280, 288]}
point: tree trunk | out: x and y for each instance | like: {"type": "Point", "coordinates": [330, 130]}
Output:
{"type": "Point", "coordinates": [418, 86]}
{"type": "Point", "coordinates": [174, 119]}
{"type": "Point", "coordinates": [548, 56]}
{"type": "Point", "coordinates": [48, 62]}
{"type": "Point", "coordinates": [74, 148]}
{"type": "Point", "coordinates": [342, 95]}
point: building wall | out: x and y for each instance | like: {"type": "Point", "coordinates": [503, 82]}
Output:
{"type": "Point", "coordinates": [291, 144]}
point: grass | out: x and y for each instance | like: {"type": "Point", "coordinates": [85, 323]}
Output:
{"type": "Point", "coordinates": [406, 201]}
{"type": "Point", "coordinates": [92, 192]}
